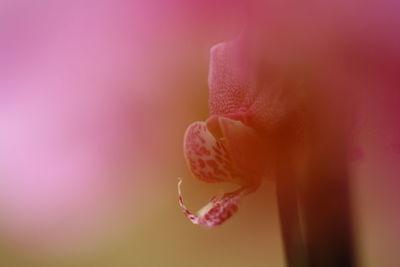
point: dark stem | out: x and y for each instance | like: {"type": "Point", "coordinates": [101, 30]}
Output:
{"type": "Point", "coordinates": [327, 218]}
{"type": "Point", "coordinates": [324, 189]}
{"type": "Point", "coordinates": [287, 197]}
{"type": "Point", "coordinates": [289, 220]}
{"type": "Point", "coordinates": [319, 191]}
{"type": "Point", "coordinates": [327, 204]}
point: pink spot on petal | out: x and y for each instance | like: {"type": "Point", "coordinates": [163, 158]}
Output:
{"type": "Point", "coordinates": [217, 211]}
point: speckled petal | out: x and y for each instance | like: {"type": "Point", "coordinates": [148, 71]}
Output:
{"type": "Point", "coordinates": [221, 150]}
{"type": "Point", "coordinates": [208, 157]}
{"type": "Point", "coordinates": [217, 211]}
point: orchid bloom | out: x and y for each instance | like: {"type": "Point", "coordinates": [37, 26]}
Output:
{"type": "Point", "coordinates": [230, 145]}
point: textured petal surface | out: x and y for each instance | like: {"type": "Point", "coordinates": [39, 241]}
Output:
{"type": "Point", "coordinates": [235, 88]}
{"type": "Point", "coordinates": [217, 211]}
{"type": "Point", "coordinates": [225, 154]}
{"type": "Point", "coordinates": [230, 86]}
{"type": "Point", "coordinates": [207, 156]}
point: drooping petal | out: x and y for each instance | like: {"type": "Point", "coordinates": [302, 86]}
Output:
{"type": "Point", "coordinates": [217, 211]}
{"type": "Point", "coordinates": [221, 150]}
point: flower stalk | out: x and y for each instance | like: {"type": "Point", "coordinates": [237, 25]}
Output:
{"type": "Point", "coordinates": [290, 220]}
{"type": "Point", "coordinates": [322, 191]}
{"type": "Point", "coordinates": [325, 189]}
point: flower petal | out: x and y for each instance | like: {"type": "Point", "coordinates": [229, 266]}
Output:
{"type": "Point", "coordinates": [221, 150]}
{"type": "Point", "coordinates": [246, 149]}
{"type": "Point", "coordinates": [230, 85]}
{"type": "Point", "coordinates": [207, 156]}
{"type": "Point", "coordinates": [217, 211]}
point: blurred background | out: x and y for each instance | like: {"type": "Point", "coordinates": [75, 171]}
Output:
{"type": "Point", "coordinates": [95, 97]}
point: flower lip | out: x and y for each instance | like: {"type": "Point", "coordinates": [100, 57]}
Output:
{"type": "Point", "coordinates": [221, 150]}
{"type": "Point", "coordinates": [217, 211]}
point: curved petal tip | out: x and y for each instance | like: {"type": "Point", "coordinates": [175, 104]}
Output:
{"type": "Point", "coordinates": [217, 211]}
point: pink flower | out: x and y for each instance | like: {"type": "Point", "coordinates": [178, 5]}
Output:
{"type": "Point", "coordinates": [259, 91]}
{"type": "Point", "coordinates": [230, 145]}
